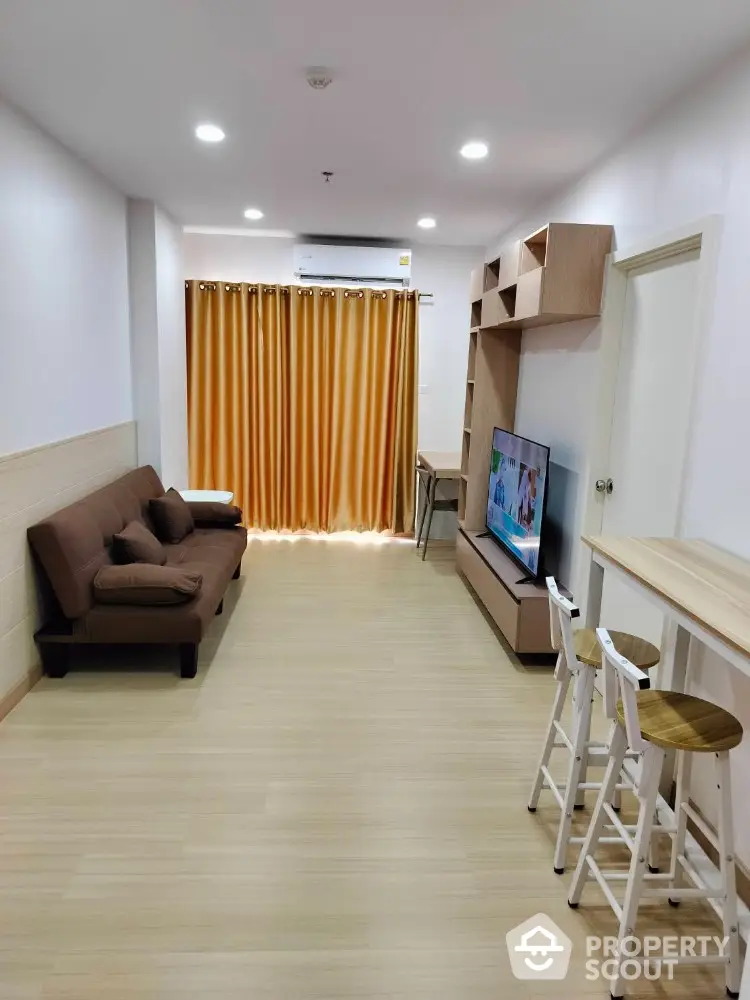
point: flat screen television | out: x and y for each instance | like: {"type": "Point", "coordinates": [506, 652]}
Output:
{"type": "Point", "coordinates": [516, 497]}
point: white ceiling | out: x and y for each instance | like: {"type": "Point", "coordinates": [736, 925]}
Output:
{"type": "Point", "coordinates": [550, 84]}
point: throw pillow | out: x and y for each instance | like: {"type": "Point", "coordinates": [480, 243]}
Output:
{"type": "Point", "coordinates": [136, 544]}
{"type": "Point", "coordinates": [145, 584]}
{"type": "Point", "coordinates": [172, 517]}
{"type": "Point", "coordinates": [213, 513]}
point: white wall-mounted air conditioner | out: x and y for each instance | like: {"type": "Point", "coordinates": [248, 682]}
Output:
{"type": "Point", "coordinates": [338, 264]}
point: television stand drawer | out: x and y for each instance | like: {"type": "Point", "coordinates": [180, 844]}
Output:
{"type": "Point", "coordinates": [520, 611]}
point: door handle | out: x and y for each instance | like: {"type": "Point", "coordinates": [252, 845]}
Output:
{"type": "Point", "coordinates": [610, 486]}
{"type": "Point", "coordinates": [600, 486]}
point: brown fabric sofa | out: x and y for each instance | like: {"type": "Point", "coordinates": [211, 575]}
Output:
{"type": "Point", "coordinates": [71, 546]}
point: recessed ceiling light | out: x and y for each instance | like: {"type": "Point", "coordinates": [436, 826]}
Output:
{"type": "Point", "coordinates": [474, 150]}
{"type": "Point", "coordinates": [427, 222]}
{"type": "Point", "coordinates": [253, 213]}
{"type": "Point", "coordinates": [209, 133]}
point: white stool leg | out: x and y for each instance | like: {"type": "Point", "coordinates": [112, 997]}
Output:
{"type": "Point", "coordinates": [581, 795]}
{"type": "Point", "coordinates": [726, 866]}
{"type": "Point", "coordinates": [684, 767]}
{"type": "Point", "coordinates": [653, 760]}
{"type": "Point", "coordinates": [584, 690]}
{"type": "Point", "coordinates": [563, 681]}
{"type": "Point", "coordinates": [617, 748]}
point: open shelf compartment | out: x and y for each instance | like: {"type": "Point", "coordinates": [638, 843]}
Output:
{"type": "Point", "coordinates": [472, 356]}
{"type": "Point", "coordinates": [508, 303]}
{"type": "Point", "coordinates": [491, 274]}
{"type": "Point", "coordinates": [468, 406]}
{"type": "Point", "coordinates": [534, 251]}
{"type": "Point", "coordinates": [461, 500]}
{"type": "Point", "coordinates": [476, 313]}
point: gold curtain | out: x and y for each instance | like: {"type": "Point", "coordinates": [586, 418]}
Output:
{"type": "Point", "coordinates": [303, 402]}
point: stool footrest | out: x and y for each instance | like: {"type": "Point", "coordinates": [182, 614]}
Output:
{"type": "Point", "coordinates": [647, 877]}
{"type": "Point", "coordinates": [611, 898]}
{"type": "Point", "coordinates": [698, 881]}
{"type": "Point", "coordinates": [550, 783]}
{"type": "Point", "coordinates": [602, 840]}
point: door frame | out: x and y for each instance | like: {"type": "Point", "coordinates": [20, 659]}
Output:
{"type": "Point", "coordinates": [704, 235]}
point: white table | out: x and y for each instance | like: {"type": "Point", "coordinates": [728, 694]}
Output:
{"type": "Point", "coordinates": [209, 496]}
{"type": "Point", "coordinates": [703, 592]}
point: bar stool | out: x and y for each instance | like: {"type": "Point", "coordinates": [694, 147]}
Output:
{"type": "Point", "coordinates": [428, 482]}
{"type": "Point", "coordinates": [650, 723]}
{"type": "Point", "coordinates": [579, 656]}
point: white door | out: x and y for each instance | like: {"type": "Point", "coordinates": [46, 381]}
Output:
{"type": "Point", "coordinates": [648, 444]}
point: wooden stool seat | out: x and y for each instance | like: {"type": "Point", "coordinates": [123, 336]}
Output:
{"type": "Point", "coordinates": [677, 721]}
{"type": "Point", "coordinates": [641, 653]}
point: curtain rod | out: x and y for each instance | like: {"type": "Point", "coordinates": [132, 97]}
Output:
{"type": "Point", "coordinates": [235, 286]}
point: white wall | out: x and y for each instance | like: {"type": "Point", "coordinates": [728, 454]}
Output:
{"type": "Point", "coordinates": [170, 298]}
{"type": "Point", "coordinates": [443, 320]}
{"type": "Point", "coordinates": [64, 325]}
{"type": "Point", "coordinates": [553, 358]}
{"type": "Point", "coordinates": [239, 258]}
{"type": "Point", "coordinates": [144, 330]}
{"type": "Point", "coordinates": [157, 305]}
{"type": "Point", "coordinates": [691, 162]}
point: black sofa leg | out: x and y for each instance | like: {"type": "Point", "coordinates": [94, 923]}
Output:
{"type": "Point", "coordinates": [220, 608]}
{"type": "Point", "coordinates": [54, 657]}
{"type": "Point", "coordinates": [237, 572]}
{"type": "Point", "coordinates": [188, 659]}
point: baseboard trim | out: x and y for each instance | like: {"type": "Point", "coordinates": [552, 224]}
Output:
{"type": "Point", "coordinates": [9, 701]}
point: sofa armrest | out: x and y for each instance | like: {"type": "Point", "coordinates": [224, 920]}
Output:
{"type": "Point", "coordinates": [213, 514]}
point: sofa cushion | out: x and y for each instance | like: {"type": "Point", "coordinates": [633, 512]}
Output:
{"type": "Point", "coordinates": [136, 544]}
{"type": "Point", "coordinates": [172, 517]}
{"type": "Point", "coordinates": [146, 584]}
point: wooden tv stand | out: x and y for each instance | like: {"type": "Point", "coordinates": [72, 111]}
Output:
{"type": "Point", "coordinates": [520, 610]}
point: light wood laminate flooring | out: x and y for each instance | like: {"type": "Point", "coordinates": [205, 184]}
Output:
{"type": "Point", "coordinates": [334, 808]}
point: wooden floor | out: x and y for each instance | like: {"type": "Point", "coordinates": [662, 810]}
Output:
{"type": "Point", "coordinates": [334, 808]}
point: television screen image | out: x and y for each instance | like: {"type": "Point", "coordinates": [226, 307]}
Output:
{"type": "Point", "coordinates": [515, 502]}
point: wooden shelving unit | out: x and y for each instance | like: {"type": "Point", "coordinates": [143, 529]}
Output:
{"type": "Point", "coordinates": [490, 402]}
{"type": "Point", "coordinates": [552, 276]}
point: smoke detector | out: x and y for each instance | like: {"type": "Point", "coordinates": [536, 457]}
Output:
{"type": "Point", "coordinates": [318, 77]}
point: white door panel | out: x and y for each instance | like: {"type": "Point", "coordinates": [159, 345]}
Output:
{"type": "Point", "coordinates": [650, 422]}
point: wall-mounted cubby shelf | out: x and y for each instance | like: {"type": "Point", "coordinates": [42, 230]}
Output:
{"type": "Point", "coordinates": [553, 276]}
